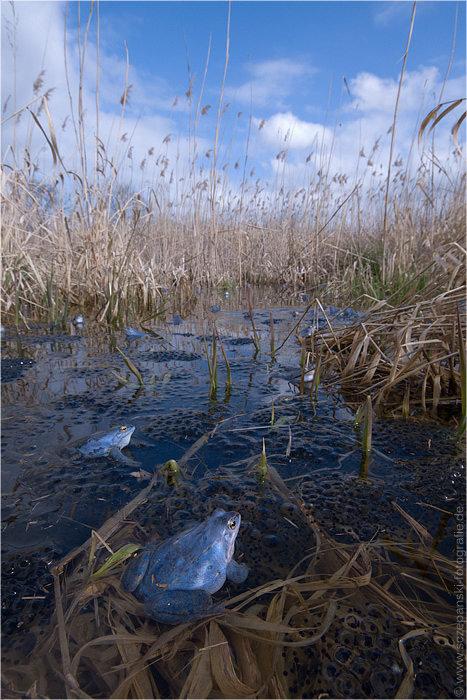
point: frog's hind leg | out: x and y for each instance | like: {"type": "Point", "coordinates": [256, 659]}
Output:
{"type": "Point", "coordinates": [174, 607]}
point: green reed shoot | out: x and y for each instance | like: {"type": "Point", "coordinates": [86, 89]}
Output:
{"type": "Point", "coordinates": [65, 311]}
{"type": "Point", "coordinates": [212, 364]}
{"type": "Point", "coordinates": [213, 386]}
{"type": "Point", "coordinates": [229, 374]}
{"type": "Point", "coordinates": [316, 377]}
{"type": "Point", "coordinates": [303, 354]}
{"type": "Point", "coordinates": [367, 425]}
{"type": "Point", "coordinates": [271, 325]}
{"type": "Point", "coordinates": [174, 473]}
{"type": "Point", "coordinates": [261, 470]}
{"type": "Point", "coordinates": [359, 416]}
{"type": "Point", "coordinates": [302, 376]}
{"type": "Point", "coordinates": [132, 367]}
{"type": "Point", "coordinates": [272, 412]}
{"type": "Point", "coordinates": [256, 338]}
{"type": "Point", "coordinates": [364, 465]}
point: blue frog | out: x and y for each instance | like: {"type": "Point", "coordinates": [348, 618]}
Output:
{"type": "Point", "coordinates": [175, 578]}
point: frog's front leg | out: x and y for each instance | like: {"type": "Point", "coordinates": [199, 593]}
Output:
{"type": "Point", "coordinates": [173, 607]}
{"type": "Point", "coordinates": [236, 572]}
{"type": "Point", "coordinates": [136, 569]}
{"type": "Point", "coordinates": [118, 456]}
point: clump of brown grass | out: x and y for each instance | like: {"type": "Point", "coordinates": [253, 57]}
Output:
{"type": "Point", "coordinates": [409, 351]}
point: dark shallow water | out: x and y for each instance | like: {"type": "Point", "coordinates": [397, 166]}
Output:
{"type": "Point", "coordinates": [58, 387]}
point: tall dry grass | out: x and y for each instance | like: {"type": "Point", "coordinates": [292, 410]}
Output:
{"type": "Point", "coordinates": [88, 237]}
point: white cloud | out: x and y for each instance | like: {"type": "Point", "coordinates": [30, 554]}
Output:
{"type": "Point", "coordinates": [37, 29]}
{"type": "Point", "coordinates": [285, 130]}
{"type": "Point", "coordinates": [372, 93]}
{"type": "Point", "coordinates": [148, 120]}
{"type": "Point", "coordinates": [389, 11]}
{"type": "Point", "coordinates": [39, 46]}
{"type": "Point", "coordinates": [359, 144]}
{"type": "Point", "coordinates": [272, 81]}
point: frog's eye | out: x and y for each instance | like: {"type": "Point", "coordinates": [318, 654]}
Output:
{"type": "Point", "coordinates": [232, 523]}
{"type": "Point", "coordinates": [123, 429]}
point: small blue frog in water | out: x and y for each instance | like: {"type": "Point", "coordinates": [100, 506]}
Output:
{"type": "Point", "coordinates": [175, 578]}
{"type": "Point", "coordinates": [105, 443]}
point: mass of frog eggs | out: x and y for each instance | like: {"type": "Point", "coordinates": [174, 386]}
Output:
{"type": "Point", "coordinates": [270, 540]}
{"type": "Point", "coordinates": [14, 368]}
{"type": "Point", "coordinates": [359, 657]}
{"type": "Point", "coordinates": [27, 601]}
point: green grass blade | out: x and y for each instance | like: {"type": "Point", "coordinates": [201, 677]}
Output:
{"type": "Point", "coordinates": [406, 403]}
{"type": "Point", "coordinates": [261, 470]}
{"type": "Point", "coordinates": [271, 324]}
{"type": "Point", "coordinates": [119, 378]}
{"type": "Point", "coordinates": [132, 367]}
{"type": "Point", "coordinates": [229, 374]}
{"type": "Point", "coordinates": [367, 425]}
{"type": "Point", "coordinates": [116, 558]}
{"type": "Point", "coordinates": [207, 357]}
{"type": "Point", "coordinates": [255, 339]}
{"type": "Point", "coordinates": [213, 386]}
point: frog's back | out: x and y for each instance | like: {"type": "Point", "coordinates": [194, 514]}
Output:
{"type": "Point", "coordinates": [182, 561]}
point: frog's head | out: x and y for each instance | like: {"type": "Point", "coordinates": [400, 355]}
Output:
{"type": "Point", "coordinates": [224, 528]}
{"type": "Point", "coordinates": [120, 437]}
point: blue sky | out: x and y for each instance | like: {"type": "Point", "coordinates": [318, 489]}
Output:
{"type": "Point", "coordinates": [296, 54]}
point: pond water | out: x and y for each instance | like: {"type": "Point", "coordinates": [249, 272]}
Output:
{"type": "Point", "coordinates": [58, 388]}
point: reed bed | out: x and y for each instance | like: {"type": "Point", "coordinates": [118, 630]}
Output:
{"type": "Point", "coordinates": [120, 251]}
{"type": "Point", "coordinates": [408, 356]}
{"type": "Point", "coordinates": [101, 645]}
{"type": "Point", "coordinates": [91, 233]}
